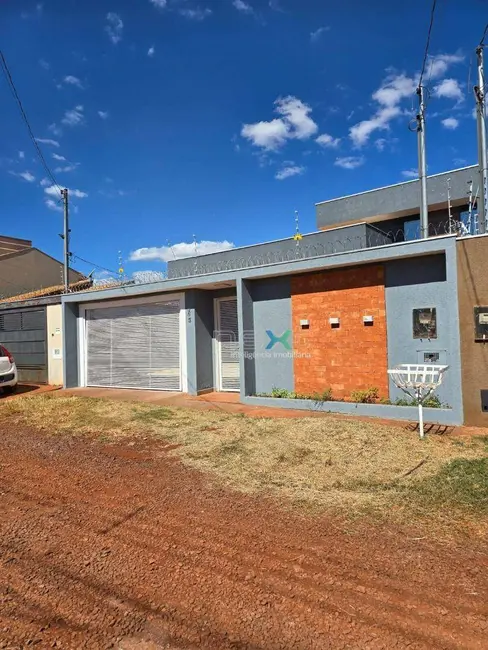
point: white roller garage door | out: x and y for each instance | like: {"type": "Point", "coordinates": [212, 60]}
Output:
{"type": "Point", "coordinates": [134, 346]}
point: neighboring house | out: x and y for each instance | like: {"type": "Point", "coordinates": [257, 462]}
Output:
{"type": "Point", "coordinates": [31, 329]}
{"type": "Point", "coordinates": [24, 268]}
{"type": "Point", "coordinates": [334, 309]}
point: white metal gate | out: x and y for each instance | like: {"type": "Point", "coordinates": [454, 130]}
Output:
{"type": "Point", "coordinates": [134, 346]}
{"type": "Point", "coordinates": [228, 345]}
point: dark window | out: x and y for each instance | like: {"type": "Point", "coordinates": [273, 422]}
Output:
{"type": "Point", "coordinates": [425, 323]}
{"type": "Point", "coordinates": [411, 229]}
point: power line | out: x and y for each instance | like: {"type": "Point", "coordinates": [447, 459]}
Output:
{"type": "Point", "coordinates": [102, 268]}
{"type": "Point", "coordinates": [426, 53]}
{"type": "Point", "coordinates": [482, 42]}
{"type": "Point", "coordinates": [13, 89]}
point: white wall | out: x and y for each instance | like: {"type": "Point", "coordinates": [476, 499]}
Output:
{"type": "Point", "coordinates": [55, 345]}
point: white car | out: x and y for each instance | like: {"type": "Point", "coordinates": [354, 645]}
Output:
{"type": "Point", "coordinates": [8, 371]}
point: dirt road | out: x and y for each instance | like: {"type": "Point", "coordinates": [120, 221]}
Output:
{"type": "Point", "coordinates": [122, 547]}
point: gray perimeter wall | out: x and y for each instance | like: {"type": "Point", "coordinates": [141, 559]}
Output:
{"type": "Point", "coordinates": [319, 243]}
{"type": "Point", "coordinates": [272, 311]}
{"type": "Point", "coordinates": [404, 197]}
{"type": "Point", "coordinates": [70, 345]}
{"type": "Point", "coordinates": [416, 283]}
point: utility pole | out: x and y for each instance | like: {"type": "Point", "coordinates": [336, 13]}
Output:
{"type": "Point", "coordinates": [66, 232]}
{"type": "Point", "coordinates": [424, 209]}
{"type": "Point", "coordinates": [480, 95]}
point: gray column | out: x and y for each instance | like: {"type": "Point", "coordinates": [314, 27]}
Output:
{"type": "Point", "coordinates": [246, 334]}
{"type": "Point", "coordinates": [70, 345]}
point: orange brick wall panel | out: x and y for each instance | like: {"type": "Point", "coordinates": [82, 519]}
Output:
{"type": "Point", "coordinates": [353, 356]}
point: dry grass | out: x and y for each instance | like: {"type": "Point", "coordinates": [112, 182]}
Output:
{"type": "Point", "coordinates": [328, 462]}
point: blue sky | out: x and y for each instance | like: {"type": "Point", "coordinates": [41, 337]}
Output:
{"type": "Point", "coordinates": [220, 118]}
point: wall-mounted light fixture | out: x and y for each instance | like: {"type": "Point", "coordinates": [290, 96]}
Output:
{"type": "Point", "coordinates": [368, 320]}
{"type": "Point", "coordinates": [334, 322]}
{"type": "Point", "coordinates": [304, 323]}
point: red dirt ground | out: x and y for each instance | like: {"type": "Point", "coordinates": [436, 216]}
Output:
{"type": "Point", "coordinates": [105, 546]}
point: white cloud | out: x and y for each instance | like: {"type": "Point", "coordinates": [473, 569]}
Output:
{"type": "Point", "coordinates": [151, 51]}
{"type": "Point", "coordinates": [55, 129]}
{"type": "Point", "coordinates": [318, 33]}
{"type": "Point", "coordinates": [196, 14]}
{"type": "Point", "coordinates": [145, 277]}
{"type": "Point", "coordinates": [360, 133]}
{"type": "Point", "coordinates": [53, 205]}
{"type": "Point", "coordinates": [56, 156]}
{"type": "Point", "coordinates": [349, 162]}
{"type": "Point", "coordinates": [104, 115]}
{"type": "Point", "coordinates": [450, 89]}
{"type": "Point", "coordinates": [27, 176]}
{"type": "Point", "coordinates": [73, 81]}
{"type": "Point", "coordinates": [326, 140]}
{"type": "Point", "coordinates": [44, 64]}
{"type": "Point", "coordinates": [243, 7]}
{"type": "Point", "coordinates": [394, 89]}
{"type": "Point", "coordinates": [410, 173]}
{"type": "Point", "coordinates": [74, 116]}
{"type": "Point", "coordinates": [295, 123]}
{"type": "Point", "coordinates": [160, 4]}
{"type": "Point", "coordinates": [115, 27]}
{"type": "Point", "coordinates": [380, 144]}
{"type": "Point", "coordinates": [21, 155]}
{"type": "Point", "coordinates": [179, 251]}
{"type": "Point", "coordinates": [269, 135]}
{"type": "Point", "coordinates": [68, 168]}
{"type": "Point", "coordinates": [45, 182]}
{"type": "Point", "coordinates": [450, 123]}
{"type": "Point", "coordinates": [288, 171]}
{"type": "Point", "coordinates": [52, 190]}
{"type": "Point", "coordinates": [52, 143]}
{"type": "Point", "coordinates": [36, 13]}
{"type": "Point", "coordinates": [438, 65]}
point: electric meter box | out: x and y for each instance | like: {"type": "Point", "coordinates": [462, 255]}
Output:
{"type": "Point", "coordinates": [481, 324]}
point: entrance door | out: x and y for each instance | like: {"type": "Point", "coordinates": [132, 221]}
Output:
{"type": "Point", "coordinates": [227, 337]}
{"type": "Point", "coordinates": [134, 346]}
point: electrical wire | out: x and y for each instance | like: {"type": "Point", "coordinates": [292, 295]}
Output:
{"type": "Point", "coordinates": [482, 42]}
{"type": "Point", "coordinates": [13, 89]}
{"type": "Point", "coordinates": [426, 53]}
{"type": "Point", "coordinates": [97, 266]}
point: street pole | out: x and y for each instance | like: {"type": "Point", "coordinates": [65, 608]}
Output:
{"type": "Point", "coordinates": [66, 232]}
{"type": "Point", "coordinates": [424, 209]}
{"type": "Point", "coordinates": [480, 95]}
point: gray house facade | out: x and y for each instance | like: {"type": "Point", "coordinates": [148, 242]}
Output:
{"type": "Point", "coordinates": [320, 318]}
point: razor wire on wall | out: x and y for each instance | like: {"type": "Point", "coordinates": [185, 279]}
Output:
{"type": "Point", "coordinates": [300, 250]}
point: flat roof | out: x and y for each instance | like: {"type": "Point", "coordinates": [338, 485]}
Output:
{"type": "Point", "coordinates": [385, 187]}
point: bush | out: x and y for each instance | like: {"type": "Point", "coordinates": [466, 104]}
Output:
{"type": "Point", "coordinates": [432, 402]}
{"type": "Point", "coordinates": [324, 396]}
{"type": "Point", "coordinates": [283, 393]}
{"type": "Point", "coordinates": [367, 396]}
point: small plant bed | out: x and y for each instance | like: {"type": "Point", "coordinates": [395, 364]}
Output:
{"type": "Point", "coordinates": [365, 396]}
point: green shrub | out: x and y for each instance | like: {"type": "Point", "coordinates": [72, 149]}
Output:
{"type": "Point", "coordinates": [281, 393]}
{"type": "Point", "coordinates": [432, 402]}
{"type": "Point", "coordinates": [323, 396]}
{"type": "Point", "coordinates": [366, 396]}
